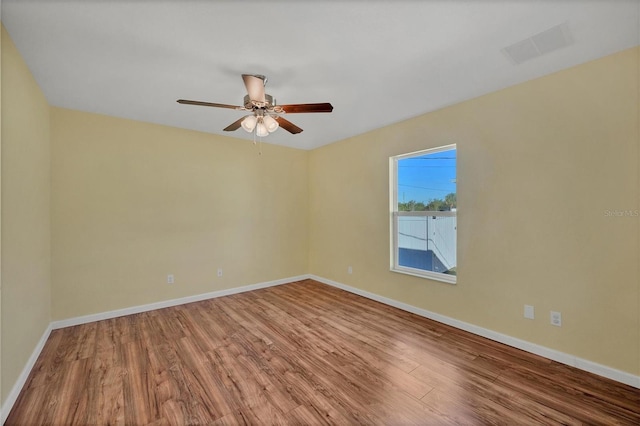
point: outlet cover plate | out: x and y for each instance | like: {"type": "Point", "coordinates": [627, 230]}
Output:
{"type": "Point", "coordinates": [529, 312]}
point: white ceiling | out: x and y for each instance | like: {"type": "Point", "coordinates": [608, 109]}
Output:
{"type": "Point", "coordinates": [377, 62]}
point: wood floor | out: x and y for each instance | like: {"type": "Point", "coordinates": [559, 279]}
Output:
{"type": "Point", "coordinates": [303, 353]}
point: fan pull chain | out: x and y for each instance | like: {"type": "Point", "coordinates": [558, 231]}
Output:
{"type": "Point", "coordinates": [259, 144]}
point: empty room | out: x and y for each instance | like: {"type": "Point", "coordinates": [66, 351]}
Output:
{"type": "Point", "coordinates": [247, 212]}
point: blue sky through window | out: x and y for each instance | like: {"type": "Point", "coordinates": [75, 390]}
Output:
{"type": "Point", "coordinates": [427, 177]}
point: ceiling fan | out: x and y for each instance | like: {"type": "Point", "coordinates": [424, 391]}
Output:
{"type": "Point", "coordinates": [265, 114]}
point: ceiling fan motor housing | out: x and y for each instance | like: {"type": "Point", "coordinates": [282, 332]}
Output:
{"type": "Point", "coordinates": [250, 104]}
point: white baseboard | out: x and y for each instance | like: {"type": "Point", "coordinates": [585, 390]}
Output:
{"type": "Point", "coordinates": [168, 303]}
{"type": "Point", "coordinates": [561, 357]}
{"type": "Point", "coordinates": [24, 375]}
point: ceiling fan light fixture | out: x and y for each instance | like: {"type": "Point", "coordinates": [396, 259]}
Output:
{"type": "Point", "coordinates": [264, 115]}
{"type": "Point", "coordinates": [261, 129]}
{"type": "Point", "coordinates": [271, 124]}
{"type": "Point", "coordinates": [249, 123]}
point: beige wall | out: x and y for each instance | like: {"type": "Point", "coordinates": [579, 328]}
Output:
{"type": "Point", "coordinates": [133, 202]}
{"type": "Point", "coordinates": [539, 164]}
{"type": "Point", "coordinates": [26, 256]}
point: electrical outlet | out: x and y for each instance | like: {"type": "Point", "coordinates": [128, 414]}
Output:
{"type": "Point", "coordinates": [170, 279]}
{"type": "Point", "coordinates": [556, 318]}
{"type": "Point", "coordinates": [529, 312]}
{"type": "Point", "coordinates": [219, 272]}
{"type": "Point", "coordinates": [349, 270]}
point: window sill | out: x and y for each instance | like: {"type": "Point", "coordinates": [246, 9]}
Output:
{"type": "Point", "coordinates": [436, 276]}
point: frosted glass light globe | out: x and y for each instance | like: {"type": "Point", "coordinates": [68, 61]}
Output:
{"type": "Point", "coordinates": [249, 123]}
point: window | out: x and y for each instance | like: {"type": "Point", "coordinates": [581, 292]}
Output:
{"type": "Point", "coordinates": [424, 213]}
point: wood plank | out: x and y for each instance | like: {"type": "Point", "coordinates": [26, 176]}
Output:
{"type": "Point", "coordinates": [47, 366]}
{"type": "Point", "coordinates": [140, 406]}
{"type": "Point", "coordinates": [72, 398]}
{"type": "Point", "coordinates": [106, 399]}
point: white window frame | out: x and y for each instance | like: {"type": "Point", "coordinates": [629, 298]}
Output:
{"type": "Point", "coordinates": [395, 214]}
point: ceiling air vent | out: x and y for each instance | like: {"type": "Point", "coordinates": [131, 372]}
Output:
{"type": "Point", "coordinates": [547, 41]}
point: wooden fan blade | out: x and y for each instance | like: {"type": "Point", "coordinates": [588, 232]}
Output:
{"type": "Point", "coordinates": [255, 87]}
{"type": "Point", "coordinates": [209, 104]}
{"type": "Point", "coordinates": [288, 126]}
{"type": "Point", "coordinates": [235, 125]}
{"type": "Point", "coordinates": [300, 108]}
